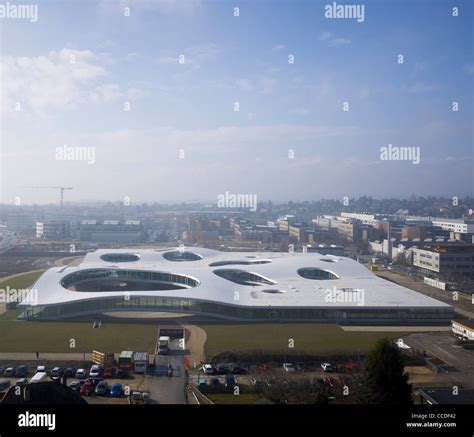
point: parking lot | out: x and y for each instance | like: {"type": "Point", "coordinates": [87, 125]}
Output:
{"type": "Point", "coordinates": [459, 367]}
{"type": "Point", "coordinates": [161, 386]}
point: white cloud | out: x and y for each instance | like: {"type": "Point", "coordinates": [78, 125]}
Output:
{"type": "Point", "coordinates": [61, 79]}
{"type": "Point", "coordinates": [333, 41]}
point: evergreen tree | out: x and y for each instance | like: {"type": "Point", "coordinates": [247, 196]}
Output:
{"type": "Point", "coordinates": [385, 381]}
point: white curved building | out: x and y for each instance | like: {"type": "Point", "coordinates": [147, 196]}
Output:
{"type": "Point", "coordinates": [228, 285]}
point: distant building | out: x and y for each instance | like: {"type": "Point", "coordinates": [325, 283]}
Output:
{"type": "Point", "coordinates": [111, 231]}
{"type": "Point", "coordinates": [411, 232]}
{"type": "Point", "coordinates": [463, 329]}
{"type": "Point", "coordinates": [449, 261]}
{"type": "Point", "coordinates": [324, 249]}
{"type": "Point", "coordinates": [22, 223]}
{"type": "Point", "coordinates": [53, 230]}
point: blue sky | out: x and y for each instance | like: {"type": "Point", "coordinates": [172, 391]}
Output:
{"type": "Point", "coordinates": [283, 107]}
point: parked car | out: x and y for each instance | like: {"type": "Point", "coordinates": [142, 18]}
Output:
{"type": "Point", "coordinates": [75, 385]}
{"type": "Point", "coordinates": [56, 373]}
{"type": "Point", "coordinates": [94, 371]}
{"type": "Point", "coordinates": [69, 372]}
{"type": "Point", "coordinates": [109, 372]}
{"type": "Point", "coordinates": [102, 388]}
{"type": "Point", "coordinates": [120, 373]}
{"type": "Point", "coordinates": [5, 384]}
{"type": "Point", "coordinates": [327, 367]}
{"type": "Point", "coordinates": [236, 369]}
{"type": "Point", "coordinates": [202, 383]}
{"type": "Point", "coordinates": [208, 369]}
{"type": "Point", "coordinates": [288, 367]}
{"type": "Point", "coordinates": [21, 382]}
{"type": "Point", "coordinates": [40, 369]}
{"type": "Point", "coordinates": [94, 381]}
{"type": "Point", "coordinates": [301, 366]}
{"type": "Point", "coordinates": [222, 369]}
{"type": "Point", "coordinates": [87, 389]}
{"type": "Point", "coordinates": [116, 391]}
{"type": "Point", "coordinates": [21, 371]}
{"type": "Point", "coordinates": [81, 373]}
{"type": "Point", "coordinates": [10, 371]}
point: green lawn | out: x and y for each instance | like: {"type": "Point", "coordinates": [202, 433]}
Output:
{"type": "Point", "coordinates": [20, 336]}
{"type": "Point", "coordinates": [230, 398]}
{"type": "Point", "coordinates": [308, 338]}
{"type": "Point", "coordinates": [22, 281]}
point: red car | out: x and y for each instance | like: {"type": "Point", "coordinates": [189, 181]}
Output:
{"type": "Point", "coordinates": [87, 389]}
{"type": "Point", "coordinates": [109, 372]}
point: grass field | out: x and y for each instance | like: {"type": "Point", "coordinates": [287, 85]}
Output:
{"type": "Point", "coordinates": [22, 281]}
{"type": "Point", "coordinates": [308, 338]}
{"type": "Point", "coordinates": [19, 336]}
{"type": "Point", "coordinates": [230, 398]}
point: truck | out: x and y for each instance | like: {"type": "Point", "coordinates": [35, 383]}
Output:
{"type": "Point", "coordinates": [125, 360]}
{"type": "Point", "coordinates": [163, 345]}
{"type": "Point", "coordinates": [140, 362]}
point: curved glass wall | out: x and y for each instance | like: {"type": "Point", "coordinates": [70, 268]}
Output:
{"type": "Point", "coordinates": [113, 280]}
{"type": "Point", "coordinates": [239, 263]}
{"type": "Point", "coordinates": [178, 255]}
{"type": "Point", "coordinates": [223, 311]}
{"type": "Point", "coordinates": [120, 257]}
{"type": "Point", "coordinates": [243, 277]}
{"type": "Point", "coordinates": [315, 273]}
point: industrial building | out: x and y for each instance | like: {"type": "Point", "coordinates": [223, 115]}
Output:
{"type": "Point", "coordinates": [455, 261]}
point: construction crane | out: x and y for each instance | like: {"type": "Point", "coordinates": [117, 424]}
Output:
{"type": "Point", "coordinates": [57, 188]}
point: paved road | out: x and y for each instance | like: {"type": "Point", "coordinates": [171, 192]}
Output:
{"type": "Point", "coordinates": [31, 356]}
{"type": "Point", "coordinates": [444, 347]}
{"type": "Point", "coordinates": [166, 389]}
{"type": "Point", "coordinates": [463, 305]}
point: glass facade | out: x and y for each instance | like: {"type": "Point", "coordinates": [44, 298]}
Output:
{"type": "Point", "coordinates": [178, 255]}
{"type": "Point", "coordinates": [90, 275]}
{"type": "Point", "coordinates": [120, 257]}
{"type": "Point", "coordinates": [223, 311]}
{"type": "Point", "coordinates": [315, 273]}
{"type": "Point", "coordinates": [243, 277]}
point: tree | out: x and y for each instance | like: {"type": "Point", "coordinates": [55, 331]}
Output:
{"type": "Point", "coordinates": [384, 379]}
